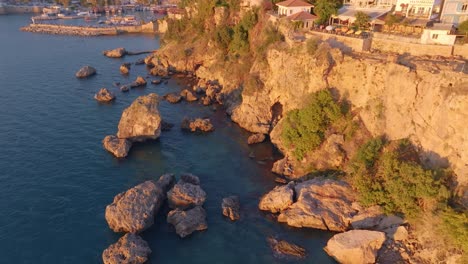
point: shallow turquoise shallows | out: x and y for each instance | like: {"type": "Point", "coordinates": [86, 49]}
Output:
{"type": "Point", "coordinates": [56, 179]}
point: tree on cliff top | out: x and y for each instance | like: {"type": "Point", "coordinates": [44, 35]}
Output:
{"type": "Point", "coordinates": [463, 27]}
{"type": "Point", "coordinates": [362, 20]}
{"type": "Point", "coordinates": [324, 9]}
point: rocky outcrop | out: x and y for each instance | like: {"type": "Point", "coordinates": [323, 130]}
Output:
{"type": "Point", "coordinates": [321, 203]}
{"type": "Point", "coordinates": [133, 211]}
{"type": "Point", "coordinates": [117, 146]}
{"type": "Point", "coordinates": [115, 53]}
{"type": "Point", "coordinates": [198, 124]}
{"type": "Point", "coordinates": [140, 81]}
{"type": "Point", "coordinates": [187, 193]}
{"type": "Point", "coordinates": [279, 199]}
{"type": "Point", "coordinates": [173, 98]}
{"type": "Point", "coordinates": [355, 246]}
{"type": "Point", "coordinates": [85, 72]}
{"type": "Point", "coordinates": [284, 249]}
{"type": "Point", "coordinates": [187, 222]}
{"type": "Point", "coordinates": [141, 121]}
{"type": "Point", "coordinates": [188, 96]}
{"type": "Point", "coordinates": [129, 249]}
{"type": "Point", "coordinates": [256, 138]}
{"type": "Point", "coordinates": [140, 61]}
{"type": "Point", "coordinates": [125, 68]}
{"type": "Point", "coordinates": [104, 95]}
{"type": "Point", "coordinates": [231, 207]}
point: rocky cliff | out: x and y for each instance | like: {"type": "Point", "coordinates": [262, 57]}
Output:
{"type": "Point", "coordinates": [423, 99]}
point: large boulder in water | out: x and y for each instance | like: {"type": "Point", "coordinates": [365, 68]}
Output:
{"type": "Point", "coordinates": [322, 204]}
{"type": "Point", "coordinates": [278, 199]}
{"type": "Point", "coordinates": [104, 95]}
{"type": "Point", "coordinates": [173, 98]}
{"type": "Point", "coordinates": [186, 193]}
{"type": "Point", "coordinates": [141, 121]}
{"type": "Point", "coordinates": [117, 146]}
{"type": "Point", "coordinates": [231, 207]}
{"type": "Point", "coordinates": [140, 81]}
{"type": "Point", "coordinates": [355, 246]}
{"type": "Point", "coordinates": [129, 249]}
{"type": "Point", "coordinates": [256, 138]}
{"type": "Point", "coordinates": [134, 210]}
{"type": "Point", "coordinates": [115, 53]}
{"type": "Point", "coordinates": [187, 222]}
{"type": "Point", "coordinates": [125, 68]}
{"type": "Point", "coordinates": [198, 124]}
{"type": "Point", "coordinates": [85, 72]}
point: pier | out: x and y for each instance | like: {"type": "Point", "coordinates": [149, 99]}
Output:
{"type": "Point", "coordinates": [148, 28]}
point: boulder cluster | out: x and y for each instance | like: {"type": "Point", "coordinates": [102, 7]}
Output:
{"type": "Point", "coordinates": [134, 211]}
{"type": "Point", "coordinates": [328, 204]}
{"type": "Point", "coordinates": [139, 122]}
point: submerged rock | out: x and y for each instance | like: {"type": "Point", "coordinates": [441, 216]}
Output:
{"type": "Point", "coordinates": [141, 120]}
{"type": "Point", "coordinates": [166, 126]}
{"type": "Point", "coordinates": [117, 146]}
{"type": "Point", "coordinates": [198, 124]}
{"type": "Point", "coordinates": [85, 72]}
{"type": "Point", "coordinates": [322, 204]}
{"type": "Point", "coordinates": [187, 222]}
{"type": "Point", "coordinates": [256, 138]}
{"type": "Point", "coordinates": [115, 53]}
{"type": "Point", "coordinates": [186, 193]}
{"type": "Point", "coordinates": [134, 210]}
{"type": "Point", "coordinates": [173, 98]}
{"type": "Point", "coordinates": [283, 249]}
{"type": "Point", "coordinates": [140, 61]}
{"type": "Point", "coordinates": [355, 246]}
{"type": "Point", "coordinates": [188, 96]}
{"type": "Point", "coordinates": [156, 81]}
{"type": "Point", "coordinates": [125, 68]}
{"type": "Point", "coordinates": [231, 207]}
{"type": "Point", "coordinates": [129, 249]}
{"type": "Point", "coordinates": [124, 88]}
{"type": "Point", "coordinates": [278, 199]}
{"type": "Point", "coordinates": [104, 95]}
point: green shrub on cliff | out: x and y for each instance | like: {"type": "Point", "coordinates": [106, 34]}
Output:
{"type": "Point", "coordinates": [455, 226]}
{"type": "Point", "coordinates": [304, 129]}
{"type": "Point", "coordinates": [386, 176]}
{"type": "Point", "coordinates": [240, 39]}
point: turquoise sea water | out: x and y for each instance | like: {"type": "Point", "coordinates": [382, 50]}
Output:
{"type": "Point", "coordinates": [56, 179]}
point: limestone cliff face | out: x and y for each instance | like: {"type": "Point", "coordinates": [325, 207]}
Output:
{"type": "Point", "coordinates": [426, 101]}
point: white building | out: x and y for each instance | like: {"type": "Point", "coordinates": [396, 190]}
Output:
{"type": "Point", "coordinates": [442, 34]}
{"type": "Point", "coordinates": [290, 7]}
{"type": "Point", "coordinates": [454, 12]}
{"type": "Point", "coordinates": [423, 9]}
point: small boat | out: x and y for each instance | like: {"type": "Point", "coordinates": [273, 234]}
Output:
{"type": "Point", "coordinates": [83, 14]}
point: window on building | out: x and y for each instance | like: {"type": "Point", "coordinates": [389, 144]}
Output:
{"type": "Point", "coordinates": [464, 7]}
{"type": "Point", "coordinates": [290, 12]}
{"type": "Point", "coordinates": [420, 10]}
{"type": "Point", "coordinates": [435, 36]}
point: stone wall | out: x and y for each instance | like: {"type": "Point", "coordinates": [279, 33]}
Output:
{"type": "Point", "coordinates": [345, 43]}
{"type": "Point", "coordinates": [386, 45]}
{"type": "Point", "coordinates": [461, 50]}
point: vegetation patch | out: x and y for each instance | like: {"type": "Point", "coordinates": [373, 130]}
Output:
{"type": "Point", "coordinates": [304, 129]}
